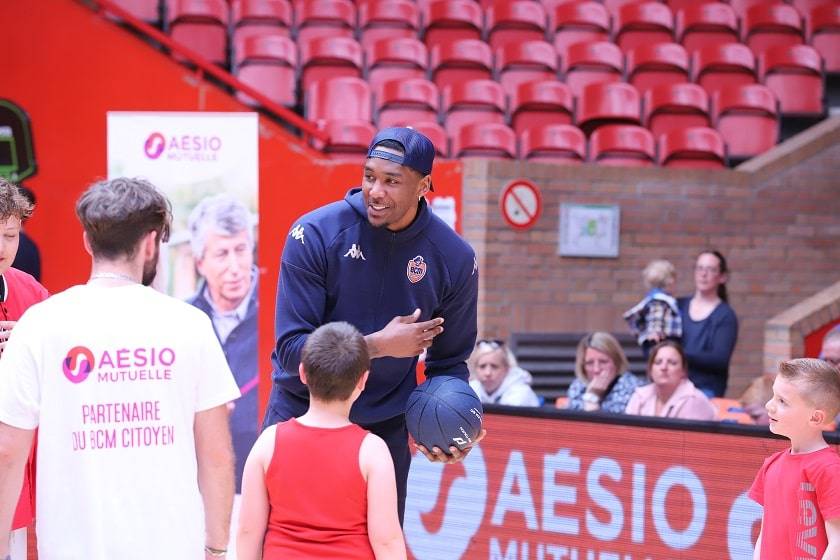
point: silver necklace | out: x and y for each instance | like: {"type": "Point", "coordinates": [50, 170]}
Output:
{"type": "Point", "coordinates": [113, 276]}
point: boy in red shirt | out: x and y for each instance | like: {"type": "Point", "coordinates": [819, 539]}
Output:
{"type": "Point", "coordinates": [18, 291]}
{"type": "Point", "coordinates": [319, 486]}
{"type": "Point", "coordinates": [799, 488]}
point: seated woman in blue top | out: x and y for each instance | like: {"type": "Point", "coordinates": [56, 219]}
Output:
{"type": "Point", "coordinates": [604, 381]}
{"type": "Point", "coordinates": [710, 327]}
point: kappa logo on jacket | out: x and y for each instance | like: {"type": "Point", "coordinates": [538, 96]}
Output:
{"type": "Point", "coordinates": [297, 234]}
{"type": "Point", "coordinates": [355, 252]}
{"type": "Point", "coordinates": [416, 269]}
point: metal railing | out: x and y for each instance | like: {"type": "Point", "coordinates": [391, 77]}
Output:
{"type": "Point", "coordinates": [204, 66]}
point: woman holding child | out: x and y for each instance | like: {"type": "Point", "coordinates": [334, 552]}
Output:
{"type": "Point", "coordinates": [670, 394]}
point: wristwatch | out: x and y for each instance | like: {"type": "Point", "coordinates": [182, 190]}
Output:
{"type": "Point", "coordinates": [591, 398]}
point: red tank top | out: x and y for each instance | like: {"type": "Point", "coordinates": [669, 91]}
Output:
{"type": "Point", "coordinates": [317, 495]}
{"type": "Point", "coordinates": [20, 291]}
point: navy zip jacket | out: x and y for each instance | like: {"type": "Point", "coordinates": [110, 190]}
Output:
{"type": "Point", "coordinates": [337, 267]}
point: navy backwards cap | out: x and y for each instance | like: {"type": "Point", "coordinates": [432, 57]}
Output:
{"type": "Point", "coordinates": [418, 150]}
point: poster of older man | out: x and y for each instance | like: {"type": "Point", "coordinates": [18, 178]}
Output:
{"type": "Point", "coordinates": [222, 242]}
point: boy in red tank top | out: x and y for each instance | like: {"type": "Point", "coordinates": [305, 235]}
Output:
{"type": "Point", "coordinates": [319, 486]}
{"type": "Point", "coordinates": [800, 487]}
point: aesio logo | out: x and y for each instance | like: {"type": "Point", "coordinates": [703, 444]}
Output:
{"type": "Point", "coordinates": [78, 364]}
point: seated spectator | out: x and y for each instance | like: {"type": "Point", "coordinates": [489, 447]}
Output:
{"type": "Point", "coordinates": [497, 379]}
{"type": "Point", "coordinates": [671, 394]}
{"type": "Point", "coordinates": [830, 351]}
{"type": "Point", "coordinates": [754, 398]}
{"type": "Point", "coordinates": [604, 381]}
{"type": "Point", "coordinates": [656, 317]}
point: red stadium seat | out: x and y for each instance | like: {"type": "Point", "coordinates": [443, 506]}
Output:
{"type": "Point", "coordinates": [200, 25]}
{"type": "Point", "coordinates": [436, 134]}
{"type": "Point", "coordinates": [404, 102]}
{"type": "Point", "coordinates": [329, 57]}
{"type": "Point", "coordinates": [494, 140]}
{"type": "Point", "coordinates": [729, 64]}
{"type": "Point", "coordinates": [387, 19]}
{"type": "Point", "coordinates": [824, 26]}
{"type": "Point", "coordinates": [608, 104]}
{"type": "Point", "coordinates": [473, 101]}
{"type": "Point", "coordinates": [459, 61]}
{"type": "Point", "coordinates": [325, 18]}
{"type": "Point", "coordinates": [613, 6]}
{"type": "Point", "coordinates": [694, 148]}
{"type": "Point", "coordinates": [805, 7]}
{"type": "Point", "coordinates": [391, 59]}
{"type": "Point", "coordinates": [710, 23]}
{"type": "Point", "coordinates": [676, 106]}
{"type": "Point", "coordinates": [515, 21]}
{"type": "Point", "coordinates": [794, 73]}
{"type": "Point", "coordinates": [338, 99]}
{"type": "Point", "coordinates": [657, 64]}
{"type": "Point", "coordinates": [537, 103]}
{"type": "Point", "coordinates": [146, 10]}
{"type": "Point", "coordinates": [771, 25]}
{"type": "Point", "coordinates": [677, 5]}
{"type": "Point", "coordinates": [579, 22]}
{"type": "Point", "coordinates": [529, 61]}
{"type": "Point", "coordinates": [348, 139]}
{"type": "Point", "coordinates": [747, 117]}
{"type": "Point", "coordinates": [592, 63]}
{"type": "Point", "coordinates": [556, 143]}
{"type": "Point", "coordinates": [644, 23]}
{"type": "Point", "coordinates": [622, 146]}
{"type": "Point", "coordinates": [267, 62]}
{"type": "Point", "coordinates": [452, 21]}
{"type": "Point", "coordinates": [256, 17]}
{"type": "Point", "coordinates": [742, 6]}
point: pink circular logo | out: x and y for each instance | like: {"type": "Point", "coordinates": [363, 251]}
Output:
{"type": "Point", "coordinates": [78, 364]}
{"type": "Point", "coordinates": [154, 146]}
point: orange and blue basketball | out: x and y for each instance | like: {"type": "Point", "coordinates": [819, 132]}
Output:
{"type": "Point", "coordinates": [444, 411]}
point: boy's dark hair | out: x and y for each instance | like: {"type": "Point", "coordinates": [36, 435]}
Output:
{"type": "Point", "coordinates": [819, 382]}
{"type": "Point", "coordinates": [334, 357]}
{"type": "Point", "coordinates": [13, 202]}
{"type": "Point", "coordinates": [117, 213]}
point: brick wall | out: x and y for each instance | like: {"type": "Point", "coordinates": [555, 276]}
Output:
{"type": "Point", "coordinates": [776, 219]}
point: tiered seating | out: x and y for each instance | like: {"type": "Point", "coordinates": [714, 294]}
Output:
{"type": "Point", "coordinates": [623, 145]}
{"type": "Point", "coordinates": [531, 65]}
{"type": "Point", "coordinates": [484, 139]}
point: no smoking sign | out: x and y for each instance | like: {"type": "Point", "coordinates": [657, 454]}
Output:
{"type": "Point", "coordinates": [521, 204]}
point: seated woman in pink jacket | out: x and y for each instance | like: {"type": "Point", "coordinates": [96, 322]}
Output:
{"type": "Point", "coordinates": [670, 393]}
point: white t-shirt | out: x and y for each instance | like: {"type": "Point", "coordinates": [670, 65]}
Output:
{"type": "Point", "coordinates": [113, 378]}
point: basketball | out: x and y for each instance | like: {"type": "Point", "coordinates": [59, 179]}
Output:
{"type": "Point", "coordinates": [443, 411]}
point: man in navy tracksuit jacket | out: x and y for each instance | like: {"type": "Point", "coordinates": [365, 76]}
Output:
{"type": "Point", "coordinates": [382, 261]}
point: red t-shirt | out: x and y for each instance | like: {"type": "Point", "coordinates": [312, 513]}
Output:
{"type": "Point", "coordinates": [21, 291]}
{"type": "Point", "coordinates": [317, 494]}
{"type": "Point", "coordinates": [799, 493]}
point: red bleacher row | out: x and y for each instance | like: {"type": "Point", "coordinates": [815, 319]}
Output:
{"type": "Point", "coordinates": [476, 66]}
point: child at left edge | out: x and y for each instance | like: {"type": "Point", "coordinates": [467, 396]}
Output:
{"type": "Point", "coordinates": [799, 487]}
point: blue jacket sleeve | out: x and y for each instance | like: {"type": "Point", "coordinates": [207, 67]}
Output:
{"type": "Point", "coordinates": [722, 343]}
{"type": "Point", "coordinates": [449, 351]}
{"type": "Point", "coordinates": [301, 297]}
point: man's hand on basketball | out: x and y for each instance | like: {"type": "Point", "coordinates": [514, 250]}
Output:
{"type": "Point", "coordinates": [455, 455]}
{"type": "Point", "coordinates": [404, 337]}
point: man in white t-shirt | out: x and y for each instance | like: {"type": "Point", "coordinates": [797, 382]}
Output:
{"type": "Point", "coordinates": [128, 388]}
